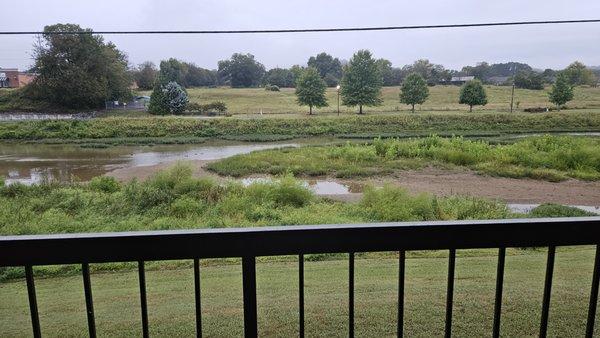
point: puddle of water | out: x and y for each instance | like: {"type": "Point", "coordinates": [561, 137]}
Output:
{"type": "Point", "coordinates": [319, 187]}
{"type": "Point", "coordinates": [30, 163]}
{"type": "Point", "coordinates": [591, 133]}
{"type": "Point", "coordinates": [526, 208]}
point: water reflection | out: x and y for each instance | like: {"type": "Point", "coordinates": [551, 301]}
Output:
{"type": "Point", "coordinates": [30, 163]}
{"type": "Point", "coordinates": [319, 187]}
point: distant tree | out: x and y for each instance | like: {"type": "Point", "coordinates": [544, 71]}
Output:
{"type": "Point", "coordinates": [387, 72]}
{"type": "Point", "coordinates": [78, 70]}
{"type": "Point", "coordinates": [432, 73]}
{"type": "Point", "coordinates": [578, 74]}
{"type": "Point", "coordinates": [549, 75]}
{"type": "Point", "coordinates": [296, 70]}
{"type": "Point", "coordinates": [414, 90]}
{"type": "Point", "coordinates": [329, 68]}
{"type": "Point", "coordinates": [242, 70]}
{"type": "Point", "coordinates": [361, 83]}
{"type": "Point", "coordinates": [473, 94]}
{"type": "Point", "coordinates": [167, 99]}
{"type": "Point", "coordinates": [529, 80]}
{"type": "Point", "coordinates": [199, 77]}
{"type": "Point", "coordinates": [173, 70]}
{"type": "Point", "coordinates": [145, 75]}
{"type": "Point", "coordinates": [480, 71]}
{"type": "Point", "coordinates": [280, 77]}
{"type": "Point", "coordinates": [310, 89]}
{"type": "Point", "coordinates": [561, 91]}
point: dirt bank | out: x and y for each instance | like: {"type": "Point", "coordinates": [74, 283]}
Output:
{"type": "Point", "coordinates": [440, 182]}
{"type": "Point", "coordinates": [448, 182]}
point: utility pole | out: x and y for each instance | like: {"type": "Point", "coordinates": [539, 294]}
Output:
{"type": "Point", "coordinates": [512, 94]}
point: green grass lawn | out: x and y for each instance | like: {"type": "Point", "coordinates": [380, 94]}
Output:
{"type": "Point", "coordinates": [171, 298]}
{"type": "Point", "coordinates": [251, 101]}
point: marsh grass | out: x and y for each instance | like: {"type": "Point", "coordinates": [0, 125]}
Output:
{"type": "Point", "coordinates": [551, 158]}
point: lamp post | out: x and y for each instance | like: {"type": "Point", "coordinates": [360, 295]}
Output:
{"type": "Point", "coordinates": [512, 93]}
{"type": "Point", "coordinates": [338, 97]}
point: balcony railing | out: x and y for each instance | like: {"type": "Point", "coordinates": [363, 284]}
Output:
{"type": "Point", "coordinates": [249, 243]}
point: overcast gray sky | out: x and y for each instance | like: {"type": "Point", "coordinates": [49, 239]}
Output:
{"type": "Point", "coordinates": [540, 46]}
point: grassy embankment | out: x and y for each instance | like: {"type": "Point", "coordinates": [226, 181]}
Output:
{"type": "Point", "coordinates": [188, 130]}
{"type": "Point", "coordinates": [552, 158]}
{"type": "Point", "coordinates": [171, 298]}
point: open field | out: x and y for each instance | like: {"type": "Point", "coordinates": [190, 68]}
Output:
{"type": "Point", "coordinates": [171, 298]}
{"type": "Point", "coordinates": [251, 101]}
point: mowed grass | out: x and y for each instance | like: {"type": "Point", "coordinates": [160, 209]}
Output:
{"type": "Point", "coordinates": [251, 101]}
{"type": "Point", "coordinates": [171, 298]}
{"type": "Point", "coordinates": [551, 158]}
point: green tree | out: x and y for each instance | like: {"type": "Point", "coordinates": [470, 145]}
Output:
{"type": "Point", "coordinates": [561, 91]}
{"type": "Point", "coordinates": [361, 83]}
{"type": "Point", "coordinates": [279, 77]}
{"type": "Point", "coordinates": [329, 68]}
{"type": "Point", "coordinates": [529, 80]}
{"type": "Point", "coordinates": [387, 71]}
{"type": "Point", "coordinates": [78, 70]}
{"type": "Point", "coordinates": [432, 73]}
{"type": "Point", "coordinates": [414, 90]}
{"type": "Point", "coordinates": [167, 99]}
{"type": "Point", "coordinates": [145, 75]}
{"type": "Point", "coordinates": [473, 94]}
{"type": "Point", "coordinates": [578, 74]}
{"type": "Point", "coordinates": [242, 70]}
{"type": "Point", "coordinates": [173, 70]}
{"type": "Point", "coordinates": [310, 89]}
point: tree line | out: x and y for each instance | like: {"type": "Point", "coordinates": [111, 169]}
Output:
{"type": "Point", "coordinates": [83, 71]}
{"type": "Point", "coordinates": [244, 71]}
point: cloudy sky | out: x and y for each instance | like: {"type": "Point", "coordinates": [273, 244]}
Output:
{"type": "Point", "coordinates": [541, 46]}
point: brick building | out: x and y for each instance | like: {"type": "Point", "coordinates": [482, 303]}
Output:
{"type": "Point", "coordinates": [13, 78]}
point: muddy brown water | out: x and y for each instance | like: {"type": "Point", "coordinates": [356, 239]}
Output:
{"type": "Point", "coordinates": [30, 163]}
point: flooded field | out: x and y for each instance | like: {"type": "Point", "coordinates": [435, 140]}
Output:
{"type": "Point", "coordinates": [31, 163]}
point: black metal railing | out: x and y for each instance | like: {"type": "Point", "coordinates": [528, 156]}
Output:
{"type": "Point", "coordinates": [249, 243]}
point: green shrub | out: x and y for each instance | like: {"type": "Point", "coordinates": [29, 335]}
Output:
{"type": "Point", "coordinates": [14, 189]}
{"type": "Point", "coordinates": [105, 184]}
{"type": "Point", "coordinates": [557, 210]}
{"type": "Point", "coordinates": [186, 206]}
{"type": "Point", "coordinates": [272, 88]}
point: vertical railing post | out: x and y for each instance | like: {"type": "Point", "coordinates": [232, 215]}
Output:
{"type": "Point", "coordinates": [401, 267]}
{"type": "Point", "coordinates": [499, 286]}
{"type": "Point", "coordinates": [450, 293]}
{"type": "Point", "coordinates": [589, 331]}
{"type": "Point", "coordinates": [249, 289]}
{"type": "Point", "coordinates": [197, 297]}
{"type": "Point", "coordinates": [547, 291]}
{"type": "Point", "coordinates": [143, 301]}
{"type": "Point", "coordinates": [301, 296]}
{"type": "Point", "coordinates": [351, 295]}
{"type": "Point", "coordinates": [89, 303]}
{"type": "Point", "coordinates": [33, 309]}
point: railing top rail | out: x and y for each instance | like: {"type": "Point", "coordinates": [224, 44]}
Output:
{"type": "Point", "coordinates": [283, 240]}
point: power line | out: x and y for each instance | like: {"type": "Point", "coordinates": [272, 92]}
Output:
{"type": "Point", "coordinates": [310, 30]}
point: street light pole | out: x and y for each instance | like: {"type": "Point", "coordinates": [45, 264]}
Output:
{"type": "Point", "coordinates": [512, 93]}
{"type": "Point", "coordinates": [338, 97]}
